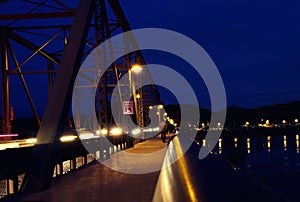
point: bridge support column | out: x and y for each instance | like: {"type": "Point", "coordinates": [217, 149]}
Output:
{"type": "Point", "coordinates": [39, 176]}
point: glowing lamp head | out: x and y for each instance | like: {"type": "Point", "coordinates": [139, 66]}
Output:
{"type": "Point", "coordinates": [116, 131]}
{"type": "Point", "coordinates": [104, 131]}
{"type": "Point", "coordinates": [136, 68]}
{"type": "Point", "coordinates": [68, 138]}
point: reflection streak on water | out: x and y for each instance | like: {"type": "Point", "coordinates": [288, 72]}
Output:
{"type": "Point", "coordinates": [248, 146]}
{"type": "Point", "coordinates": [297, 143]}
{"type": "Point", "coordinates": [253, 145]}
{"type": "Point", "coordinates": [269, 143]}
{"type": "Point", "coordinates": [235, 142]}
{"type": "Point", "coordinates": [283, 140]}
{"type": "Point", "coordinates": [284, 143]}
{"type": "Point", "coordinates": [220, 146]}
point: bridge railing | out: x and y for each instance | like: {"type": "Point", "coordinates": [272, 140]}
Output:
{"type": "Point", "coordinates": [70, 157]}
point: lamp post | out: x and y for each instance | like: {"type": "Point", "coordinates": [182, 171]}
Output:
{"type": "Point", "coordinates": [158, 112]}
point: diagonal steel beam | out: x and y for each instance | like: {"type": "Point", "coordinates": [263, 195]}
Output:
{"type": "Point", "coordinates": [39, 176]}
{"type": "Point", "coordinates": [66, 14]}
{"type": "Point", "coordinates": [22, 79]}
{"type": "Point", "coordinates": [24, 42]}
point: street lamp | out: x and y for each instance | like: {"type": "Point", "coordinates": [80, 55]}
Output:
{"type": "Point", "coordinates": [158, 112]}
{"type": "Point", "coordinates": [136, 68]}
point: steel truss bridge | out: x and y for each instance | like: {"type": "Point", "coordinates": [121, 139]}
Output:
{"type": "Point", "coordinates": [42, 45]}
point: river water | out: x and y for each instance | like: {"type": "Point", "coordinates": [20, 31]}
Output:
{"type": "Point", "coordinates": [273, 161]}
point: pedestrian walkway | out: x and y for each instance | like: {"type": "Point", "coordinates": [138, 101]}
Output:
{"type": "Point", "coordinates": [97, 182]}
{"type": "Point", "coordinates": [188, 179]}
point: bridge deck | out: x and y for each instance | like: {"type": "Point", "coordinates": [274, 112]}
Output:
{"type": "Point", "coordinates": [189, 179]}
{"type": "Point", "coordinates": [96, 182]}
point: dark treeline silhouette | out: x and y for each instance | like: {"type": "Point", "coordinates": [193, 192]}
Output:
{"type": "Point", "coordinates": [235, 118]}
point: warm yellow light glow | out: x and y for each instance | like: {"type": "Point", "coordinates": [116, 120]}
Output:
{"type": "Point", "coordinates": [235, 139]}
{"type": "Point", "coordinates": [98, 132]}
{"type": "Point", "coordinates": [248, 143]}
{"type": "Point", "coordinates": [68, 138]}
{"type": "Point", "coordinates": [284, 121]}
{"type": "Point", "coordinates": [187, 179]}
{"type": "Point", "coordinates": [220, 143]}
{"type": "Point", "coordinates": [247, 123]}
{"type": "Point", "coordinates": [31, 140]}
{"type": "Point", "coordinates": [116, 131]}
{"type": "Point", "coordinates": [136, 131]}
{"type": "Point", "coordinates": [138, 96]}
{"type": "Point", "coordinates": [150, 107]}
{"type": "Point", "coordinates": [269, 144]}
{"type": "Point", "coordinates": [296, 120]}
{"type": "Point", "coordinates": [136, 68]}
{"type": "Point", "coordinates": [160, 106]}
{"type": "Point", "coordinates": [86, 135]}
{"type": "Point", "coordinates": [284, 144]}
{"type": "Point", "coordinates": [104, 131]}
{"type": "Point", "coordinates": [165, 114]}
{"type": "Point", "coordinates": [297, 143]}
{"type": "Point", "coordinates": [9, 145]}
{"type": "Point", "coordinates": [171, 121]}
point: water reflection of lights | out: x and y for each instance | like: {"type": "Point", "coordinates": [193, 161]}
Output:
{"type": "Point", "coordinates": [235, 142]}
{"type": "Point", "coordinates": [297, 143]}
{"type": "Point", "coordinates": [284, 142]}
{"type": "Point", "coordinates": [220, 146]}
{"type": "Point", "coordinates": [278, 142]}
{"type": "Point", "coordinates": [248, 146]}
{"type": "Point", "coordinates": [167, 186]}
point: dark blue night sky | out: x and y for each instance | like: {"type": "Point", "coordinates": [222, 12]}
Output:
{"type": "Point", "coordinates": [255, 44]}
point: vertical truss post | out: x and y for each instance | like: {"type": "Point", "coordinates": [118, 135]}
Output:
{"type": "Point", "coordinates": [102, 94]}
{"type": "Point", "coordinates": [39, 176]}
{"type": "Point", "coordinates": [6, 123]}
